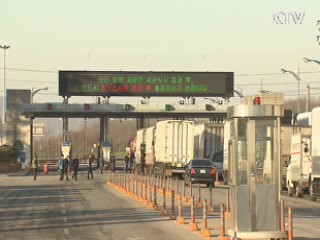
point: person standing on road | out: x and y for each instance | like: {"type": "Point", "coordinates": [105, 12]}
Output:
{"type": "Point", "coordinates": [64, 170]}
{"type": "Point", "coordinates": [35, 166]}
{"type": "Point", "coordinates": [113, 162]}
{"type": "Point", "coordinates": [101, 164]}
{"type": "Point", "coordinates": [89, 164]}
{"type": "Point", "coordinates": [126, 162]}
{"type": "Point", "coordinates": [60, 165]}
{"type": "Point", "coordinates": [75, 166]}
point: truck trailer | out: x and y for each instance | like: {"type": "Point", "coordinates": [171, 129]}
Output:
{"type": "Point", "coordinates": [164, 149]}
{"type": "Point", "coordinates": [208, 139]}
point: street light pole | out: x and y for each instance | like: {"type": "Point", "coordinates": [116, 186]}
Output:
{"type": "Point", "coordinates": [4, 47]}
{"type": "Point", "coordinates": [297, 77]}
{"type": "Point", "coordinates": [35, 91]}
{"type": "Point", "coordinates": [307, 60]}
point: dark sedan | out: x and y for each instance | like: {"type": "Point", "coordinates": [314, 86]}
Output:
{"type": "Point", "coordinates": [200, 170]}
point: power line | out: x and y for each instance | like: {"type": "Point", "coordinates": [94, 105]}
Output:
{"type": "Point", "coordinates": [238, 75]}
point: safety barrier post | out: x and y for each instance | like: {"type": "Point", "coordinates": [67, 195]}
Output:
{"type": "Point", "coordinates": [123, 181]}
{"type": "Point", "coordinates": [180, 218]}
{"type": "Point", "coordinates": [173, 210]}
{"type": "Point", "coordinates": [157, 181]}
{"type": "Point", "coordinates": [128, 184]}
{"type": "Point", "coordinates": [161, 184]}
{"type": "Point", "coordinates": [190, 188]}
{"type": "Point", "coordinates": [132, 185]}
{"type": "Point", "coordinates": [228, 213]}
{"type": "Point", "coordinates": [283, 220]}
{"type": "Point", "coordinates": [217, 183]}
{"type": "Point", "coordinates": [150, 203]}
{"type": "Point", "coordinates": [141, 190]}
{"type": "Point", "coordinates": [193, 225]}
{"type": "Point", "coordinates": [177, 189]}
{"type": "Point", "coordinates": [199, 196]}
{"type": "Point", "coordinates": [164, 208]}
{"type": "Point", "coordinates": [290, 223]}
{"type": "Point", "coordinates": [145, 200]}
{"type": "Point", "coordinates": [135, 189]}
{"type": "Point", "coordinates": [223, 231]}
{"type": "Point", "coordinates": [169, 186]}
{"type": "Point", "coordinates": [184, 193]}
{"type": "Point", "coordinates": [211, 207]}
{"type": "Point", "coordinates": [206, 231]}
{"type": "Point", "coordinates": [155, 205]}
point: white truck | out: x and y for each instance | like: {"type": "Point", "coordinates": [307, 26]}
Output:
{"type": "Point", "coordinates": [286, 132]}
{"type": "Point", "coordinates": [315, 155]}
{"type": "Point", "coordinates": [208, 139]}
{"type": "Point", "coordinates": [299, 169]}
{"type": "Point", "coordinates": [166, 148]}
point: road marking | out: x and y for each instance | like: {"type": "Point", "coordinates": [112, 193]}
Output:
{"type": "Point", "coordinates": [65, 219]}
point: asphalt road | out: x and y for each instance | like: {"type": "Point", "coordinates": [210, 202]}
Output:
{"type": "Point", "coordinates": [89, 209]}
{"type": "Point", "coordinates": [85, 209]}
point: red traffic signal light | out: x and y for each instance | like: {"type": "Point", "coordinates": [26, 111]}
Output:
{"type": "Point", "coordinates": [257, 100]}
{"type": "Point", "coordinates": [86, 106]}
{"type": "Point", "coordinates": [49, 106]}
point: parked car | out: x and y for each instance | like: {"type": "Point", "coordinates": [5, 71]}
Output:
{"type": "Point", "coordinates": [217, 159]}
{"type": "Point", "coordinates": [200, 170]}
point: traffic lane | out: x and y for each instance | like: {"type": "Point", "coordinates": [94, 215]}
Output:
{"type": "Point", "coordinates": [83, 209]}
{"type": "Point", "coordinates": [306, 214]}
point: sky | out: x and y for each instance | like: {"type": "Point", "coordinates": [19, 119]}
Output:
{"type": "Point", "coordinates": [168, 35]}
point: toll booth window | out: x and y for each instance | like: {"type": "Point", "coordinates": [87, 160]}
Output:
{"type": "Point", "coordinates": [265, 152]}
{"type": "Point", "coordinates": [242, 152]}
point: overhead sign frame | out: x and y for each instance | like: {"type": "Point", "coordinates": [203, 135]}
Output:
{"type": "Point", "coordinates": [146, 84]}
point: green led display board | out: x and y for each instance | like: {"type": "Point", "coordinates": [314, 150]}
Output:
{"type": "Point", "coordinates": [145, 84]}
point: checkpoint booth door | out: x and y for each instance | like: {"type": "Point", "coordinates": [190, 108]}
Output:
{"type": "Point", "coordinates": [254, 177]}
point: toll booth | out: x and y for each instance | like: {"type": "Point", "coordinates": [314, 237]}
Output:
{"type": "Point", "coordinates": [254, 171]}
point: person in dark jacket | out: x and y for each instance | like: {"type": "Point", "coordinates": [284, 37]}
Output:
{"type": "Point", "coordinates": [60, 165]}
{"type": "Point", "coordinates": [89, 164]}
{"type": "Point", "coordinates": [65, 167]}
{"type": "Point", "coordinates": [75, 166]}
{"type": "Point", "coordinates": [126, 162]}
{"type": "Point", "coordinates": [35, 166]}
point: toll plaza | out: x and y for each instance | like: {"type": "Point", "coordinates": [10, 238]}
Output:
{"type": "Point", "coordinates": [254, 165]}
{"type": "Point", "coordinates": [105, 84]}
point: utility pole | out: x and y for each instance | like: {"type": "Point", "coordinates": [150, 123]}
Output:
{"type": "Point", "coordinates": [308, 98]}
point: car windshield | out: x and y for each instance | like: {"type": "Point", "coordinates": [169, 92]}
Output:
{"type": "Point", "coordinates": [201, 162]}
